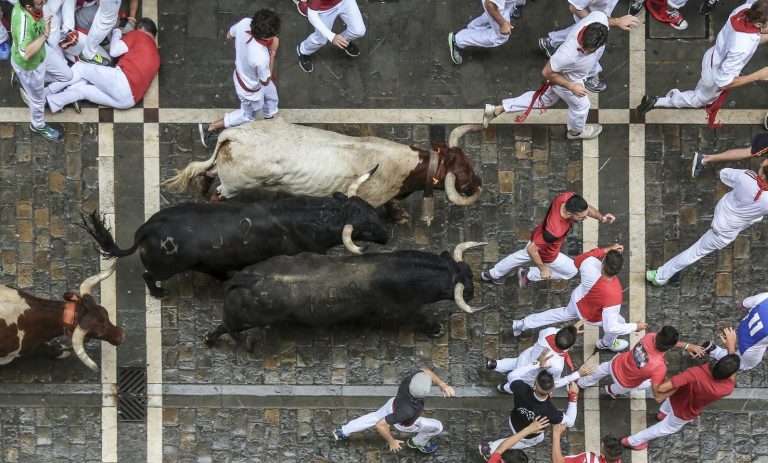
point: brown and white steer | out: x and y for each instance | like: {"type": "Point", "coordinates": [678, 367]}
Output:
{"type": "Point", "coordinates": [288, 158]}
{"type": "Point", "coordinates": [27, 322]}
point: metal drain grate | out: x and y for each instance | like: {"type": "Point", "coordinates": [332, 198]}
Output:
{"type": "Point", "coordinates": [131, 394]}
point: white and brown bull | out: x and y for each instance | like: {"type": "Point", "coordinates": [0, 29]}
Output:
{"type": "Point", "coordinates": [27, 322]}
{"type": "Point", "coordinates": [288, 158]}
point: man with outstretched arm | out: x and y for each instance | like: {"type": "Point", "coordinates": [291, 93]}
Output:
{"type": "Point", "coordinates": [751, 339]}
{"type": "Point", "coordinates": [759, 148]}
{"type": "Point", "coordinates": [610, 449]}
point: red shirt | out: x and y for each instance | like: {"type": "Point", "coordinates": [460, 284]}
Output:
{"type": "Point", "coordinates": [557, 227]}
{"type": "Point", "coordinates": [696, 388]}
{"type": "Point", "coordinates": [322, 5]}
{"type": "Point", "coordinates": [586, 457]}
{"type": "Point", "coordinates": [641, 362]}
{"type": "Point", "coordinates": [140, 63]}
{"type": "Point", "coordinates": [596, 292]}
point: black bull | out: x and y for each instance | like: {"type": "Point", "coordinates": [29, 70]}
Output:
{"type": "Point", "coordinates": [311, 289]}
{"type": "Point", "coordinates": [216, 238]}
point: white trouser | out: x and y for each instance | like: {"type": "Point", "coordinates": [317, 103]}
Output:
{"type": "Point", "coordinates": [578, 107]}
{"type": "Point", "coordinates": [669, 425]}
{"type": "Point", "coordinates": [102, 85]}
{"type": "Point", "coordinates": [425, 428]}
{"type": "Point", "coordinates": [251, 103]}
{"type": "Point", "coordinates": [483, 31]}
{"type": "Point", "coordinates": [53, 68]}
{"type": "Point", "coordinates": [562, 267]}
{"type": "Point", "coordinates": [350, 14]}
{"type": "Point", "coordinates": [705, 93]}
{"type": "Point", "coordinates": [603, 370]}
{"type": "Point", "coordinates": [522, 444]}
{"type": "Point", "coordinates": [749, 359]}
{"type": "Point", "coordinates": [51, 8]}
{"type": "Point", "coordinates": [709, 242]}
{"type": "Point", "coordinates": [566, 314]}
{"type": "Point", "coordinates": [103, 23]}
{"type": "Point", "coordinates": [556, 38]}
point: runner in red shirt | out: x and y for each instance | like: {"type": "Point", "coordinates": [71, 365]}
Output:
{"type": "Point", "coordinates": [610, 450]}
{"type": "Point", "coordinates": [688, 393]}
{"type": "Point", "coordinates": [546, 240]}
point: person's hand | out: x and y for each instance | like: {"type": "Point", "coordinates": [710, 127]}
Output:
{"type": "Point", "coordinates": [47, 29]}
{"type": "Point", "coordinates": [506, 28]}
{"type": "Point", "coordinates": [695, 350]}
{"type": "Point", "coordinates": [559, 429]}
{"type": "Point", "coordinates": [394, 445]}
{"type": "Point", "coordinates": [340, 41]}
{"type": "Point", "coordinates": [626, 22]}
{"type": "Point", "coordinates": [546, 273]}
{"type": "Point", "coordinates": [579, 90]}
{"type": "Point", "coordinates": [544, 358]}
{"type": "Point", "coordinates": [573, 388]}
{"type": "Point", "coordinates": [615, 247]}
{"type": "Point", "coordinates": [740, 303]}
{"type": "Point", "coordinates": [539, 424]}
{"type": "Point", "coordinates": [586, 370]}
{"type": "Point", "coordinates": [641, 326]}
{"type": "Point", "coordinates": [608, 218]}
{"type": "Point", "coordinates": [275, 44]}
{"type": "Point", "coordinates": [729, 338]}
{"type": "Point", "coordinates": [579, 325]}
{"type": "Point", "coordinates": [762, 74]}
{"type": "Point", "coordinates": [447, 391]}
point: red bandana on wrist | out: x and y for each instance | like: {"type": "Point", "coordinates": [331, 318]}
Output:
{"type": "Point", "coordinates": [740, 23]}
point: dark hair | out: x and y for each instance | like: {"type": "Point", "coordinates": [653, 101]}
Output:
{"type": "Point", "coordinates": [265, 24]}
{"type": "Point", "coordinates": [566, 337]}
{"type": "Point", "coordinates": [758, 12]}
{"type": "Point", "coordinates": [514, 456]}
{"type": "Point", "coordinates": [612, 448]}
{"type": "Point", "coordinates": [666, 338]}
{"type": "Point", "coordinates": [545, 380]}
{"type": "Point", "coordinates": [726, 366]}
{"type": "Point", "coordinates": [613, 262]}
{"type": "Point", "coordinates": [148, 25]}
{"type": "Point", "coordinates": [24, 3]}
{"type": "Point", "coordinates": [594, 36]}
{"type": "Point", "coordinates": [576, 204]}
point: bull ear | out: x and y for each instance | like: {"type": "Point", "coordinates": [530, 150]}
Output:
{"type": "Point", "coordinates": [70, 296]}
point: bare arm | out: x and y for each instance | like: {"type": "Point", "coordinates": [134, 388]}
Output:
{"type": "Point", "coordinates": [624, 23]}
{"type": "Point", "coordinates": [664, 391]}
{"type": "Point", "coordinates": [740, 81]}
{"type": "Point", "coordinates": [34, 46]}
{"type": "Point", "coordinates": [595, 214]}
{"type": "Point", "coordinates": [133, 8]}
{"type": "Point", "coordinates": [533, 253]}
{"type": "Point", "coordinates": [504, 26]}
{"type": "Point", "coordinates": [537, 425]}
{"type": "Point", "coordinates": [382, 427]}
{"type": "Point", "coordinates": [557, 452]}
{"type": "Point", "coordinates": [558, 79]}
{"type": "Point", "coordinates": [445, 389]}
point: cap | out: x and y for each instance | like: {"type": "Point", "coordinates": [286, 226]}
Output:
{"type": "Point", "coordinates": [420, 385]}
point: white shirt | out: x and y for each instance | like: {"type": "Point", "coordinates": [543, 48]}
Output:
{"type": "Point", "coordinates": [569, 61]}
{"type": "Point", "coordinates": [606, 6]}
{"type": "Point", "coordinates": [738, 209]}
{"type": "Point", "coordinates": [732, 51]}
{"type": "Point", "coordinates": [527, 372]}
{"type": "Point", "coordinates": [251, 58]}
{"type": "Point", "coordinates": [505, 6]}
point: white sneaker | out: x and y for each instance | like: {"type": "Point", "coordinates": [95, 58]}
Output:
{"type": "Point", "coordinates": [517, 327]}
{"type": "Point", "coordinates": [488, 115]}
{"type": "Point", "coordinates": [619, 345]}
{"type": "Point", "coordinates": [590, 131]}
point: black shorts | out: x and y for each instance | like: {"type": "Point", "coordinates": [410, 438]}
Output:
{"type": "Point", "coordinates": [760, 145]}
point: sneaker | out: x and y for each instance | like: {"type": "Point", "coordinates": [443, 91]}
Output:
{"type": "Point", "coordinates": [301, 6]}
{"type": "Point", "coordinates": [454, 49]}
{"type": "Point", "coordinates": [594, 84]}
{"type": "Point", "coordinates": [15, 82]}
{"type": "Point", "coordinates": [488, 114]}
{"type": "Point", "coordinates": [697, 165]}
{"type": "Point", "coordinates": [610, 393]}
{"type": "Point", "coordinates": [546, 47]}
{"type": "Point", "coordinates": [305, 61]}
{"type": "Point", "coordinates": [97, 59]}
{"type": "Point", "coordinates": [205, 135]}
{"type": "Point", "coordinates": [708, 347]}
{"type": "Point", "coordinates": [24, 96]}
{"type": "Point", "coordinates": [429, 447]}
{"type": "Point", "coordinates": [517, 327]}
{"type": "Point", "coordinates": [5, 50]}
{"type": "Point", "coordinates": [646, 104]}
{"type": "Point", "coordinates": [352, 50]}
{"type": "Point", "coordinates": [486, 276]}
{"type": "Point", "coordinates": [338, 434]}
{"type": "Point", "coordinates": [661, 416]}
{"type": "Point", "coordinates": [490, 364]}
{"type": "Point", "coordinates": [678, 21]}
{"type": "Point", "coordinates": [625, 443]}
{"type": "Point", "coordinates": [590, 131]}
{"type": "Point", "coordinates": [76, 107]}
{"type": "Point", "coordinates": [636, 7]}
{"type": "Point", "coordinates": [522, 278]}
{"type": "Point", "coordinates": [500, 388]}
{"type": "Point", "coordinates": [650, 275]}
{"type": "Point", "coordinates": [618, 345]}
{"type": "Point", "coordinates": [707, 6]}
{"type": "Point", "coordinates": [271, 116]}
{"type": "Point", "coordinates": [47, 132]}
{"type": "Point", "coordinates": [517, 13]}
{"type": "Point", "coordinates": [485, 450]}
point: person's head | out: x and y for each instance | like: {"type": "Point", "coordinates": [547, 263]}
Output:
{"type": "Point", "coordinates": [611, 448]}
{"type": "Point", "coordinates": [576, 208]}
{"type": "Point", "coordinates": [147, 25]}
{"type": "Point", "coordinates": [265, 24]}
{"type": "Point", "coordinates": [514, 456]}
{"type": "Point", "coordinates": [666, 338]}
{"type": "Point", "coordinates": [544, 383]}
{"type": "Point", "coordinates": [566, 337]}
{"type": "Point", "coordinates": [613, 262]}
{"type": "Point", "coordinates": [595, 35]}
{"type": "Point", "coordinates": [726, 366]}
{"type": "Point", "coordinates": [757, 14]}
{"type": "Point", "coordinates": [420, 385]}
{"type": "Point", "coordinates": [33, 6]}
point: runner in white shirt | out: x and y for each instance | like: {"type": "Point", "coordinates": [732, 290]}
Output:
{"type": "Point", "coordinates": [745, 204]}
{"type": "Point", "coordinates": [490, 29]}
{"type": "Point", "coordinates": [322, 14]}
{"type": "Point", "coordinates": [565, 73]}
{"type": "Point", "coordinates": [722, 64]}
{"type": "Point", "coordinates": [256, 45]}
{"type": "Point", "coordinates": [580, 9]}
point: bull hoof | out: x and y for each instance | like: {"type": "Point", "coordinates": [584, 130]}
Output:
{"type": "Point", "coordinates": [435, 331]}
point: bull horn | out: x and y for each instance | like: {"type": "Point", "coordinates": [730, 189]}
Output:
{"type": "Point", "coordinates": [87, 286]}
{"type": "Point", "coordinates": [77, 345]}
{"type": "Point", "coordinates": [346, 237]}
{"type": "Point", "coordinates": [454, 196]}
{"type": "Point", "coordinates": [460, 131]}
{"type": "Point", "coordinates": [352, 190]}
{"type": "Point", "coordinates": [458, 251]}
{"type": "Point", "coordinates": [458, 296]}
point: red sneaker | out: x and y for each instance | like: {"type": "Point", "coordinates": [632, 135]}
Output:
{"type": "Point", "coordinates": [625, 443]}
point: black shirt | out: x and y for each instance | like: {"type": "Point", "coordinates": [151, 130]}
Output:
{"type": "Point", "coordinates": [407, 408]}
{"type": "Point", "coordinates": [528, 407]}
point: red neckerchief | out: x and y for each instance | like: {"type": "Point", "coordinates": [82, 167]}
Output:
{"type": "Point", "coordinates": [562, 353]}
{"type": "Point", "coordinates": [37, 16]}
{"type": "Point", "coordinates": [762, 185]}
{"type": "Point", "coordinates": [713, 108]}
{"type": "Point", "coordinates": [266, 42]}
{"type": "Point", "coordinates": [537, 95]}
{"type": "Point", "coordinates": [580, 36]}
{"type": "Point", "coordinates": [740, 23]}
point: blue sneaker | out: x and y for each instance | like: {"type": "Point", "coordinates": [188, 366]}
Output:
{"type": "Point", "coordinates": [47, 132]}
{"type": "Point", "coordinates": [5, 50]}
{"type": "Point", "coordinates": [338, 434]}
{"type": "Point", "coordinates": [429, 447]}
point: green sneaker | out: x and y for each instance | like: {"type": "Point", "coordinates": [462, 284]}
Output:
{"type": "Point", "coordinates": [650, 275]}
{"type": "Point", "coordinates": [97, 59]}
{"type": "Point", "coordinates": [47, 132]}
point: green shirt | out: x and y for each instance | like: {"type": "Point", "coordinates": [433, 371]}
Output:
{"type": "Point", "coordinates": [26, 30]}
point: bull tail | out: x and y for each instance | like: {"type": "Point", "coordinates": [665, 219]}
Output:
{"type": "Point", "coordinates": [180, 181]}
{"type": "Point", "coordinates": [97, 227]}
